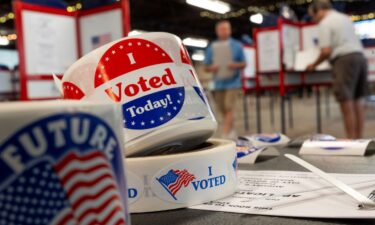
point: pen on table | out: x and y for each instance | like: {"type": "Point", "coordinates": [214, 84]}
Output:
{"type": "Point", "coordinates": [364, 202]}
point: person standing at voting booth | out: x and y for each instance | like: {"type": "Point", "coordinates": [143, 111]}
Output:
{"type": "Point", "coordinates": [339, 44]}
{"type": "Point", "coordinates": [225, 58]}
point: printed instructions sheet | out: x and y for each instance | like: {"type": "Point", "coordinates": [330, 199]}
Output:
{"type": "Point", "coordinates": [294, 194]}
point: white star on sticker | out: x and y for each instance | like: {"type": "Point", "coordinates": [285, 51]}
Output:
{"type": "Point", "coordinates": [121, 47]}
{"type": "Point", "coordinates": [130, 44]}
{"type": "Point", "coordinates": [139, 43]}
{"type": "Point", "coordinates": [161, 118]}
{"type": "Point", "coordinates": [102, 67]}
{"type": "Point", "coordinates": [180, 94]}
{"type": "Point", "coordinates": [163, 54]}
{"type": "Point", "coordinates": [178, 101]}
{"type": "Point", "coordinates": [152, 122]}
{"type": "Point", "coordinates": [142, 123]}
{"type": "Point", "coordinates": [113, 52]}
{"type": "Point", "coordinates": [106, 59]}
{"type": "Point", "coordinates": [133, 123]}
{"type": "Point", "coordinates": [156, 49]}
{"type": "Point", "coordinates": [124, 121]}
{"type": "Point", "coordinates": [100, 76]}
{"type": "Point", "coordinates": [148, 45]}
{"type": "Point", "coordinates": [175, 108]}
{"type": "Point", "coordinates": [169, 114]}
{"type": "Point", "coordinates": [76, 91]}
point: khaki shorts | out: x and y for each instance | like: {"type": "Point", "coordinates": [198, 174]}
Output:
{"type": "Point", "coordinates": [350, 77]}
{"type": "Point", "coordinates": [225, 100]}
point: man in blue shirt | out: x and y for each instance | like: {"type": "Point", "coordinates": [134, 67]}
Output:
{"type": "Point", "coordinates": [225, 59]}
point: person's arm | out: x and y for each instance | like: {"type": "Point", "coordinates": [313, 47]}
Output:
{"type": "Point", "coordinates": [208, 63]}
{"type": "Point", "coordinates": [324, 55]}
{"type": "Point", "coordinates": [237, 65]}
{"type": "Point", "coordinates": [240, 62]}
{"type": "Point", "coordinates": [211, 68]}
{"type": "Point", "coordinates": [325, 46]}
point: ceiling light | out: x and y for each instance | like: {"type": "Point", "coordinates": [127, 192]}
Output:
{"type": "Point", "coordinates": [11, 15]}
{"type": "Point", "coordinates": [194, 42]}
{"type": "Point", "coordinates": [256, 18]}
{"type": "Point", "coordinates": [136, 32]}
{"type": "Point", "coordinates": [198, 56]}
{"type": "Point", "coordinates": [212, 5]}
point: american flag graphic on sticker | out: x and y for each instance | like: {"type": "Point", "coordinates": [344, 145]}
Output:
{"type": "Point", "coordinates": [65, 169]}
{"type": "Point", "coordinates": [174, 180]}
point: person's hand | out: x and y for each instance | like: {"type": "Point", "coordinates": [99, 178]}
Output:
{"type": "Point", "coordinates": [213, 68]}
{"type": "Point", "coordinates": [310, 68]}
{"type": "Point", "coordinates": [232, 66]}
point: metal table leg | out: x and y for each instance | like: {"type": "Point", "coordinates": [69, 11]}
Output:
{"type": "Point", "coordinates": [282, 114]}
{"type": "Point", "coordinates": [245, 111]}
{"type": "Point", "coordinates": [328, 102]}
{"type": "Point", "coordinates": [258, 115]}
{"type": "Point", "coordinates": [318, 111]}
{"type": "Point", "coordinates": [290, 112]}
{"type": "Point", "coordinates": [272, 109]}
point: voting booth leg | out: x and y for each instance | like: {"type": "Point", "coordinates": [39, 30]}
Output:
{"type": "Point", "coordinates": [258, 115]}
{"type": "Point", "coordinates": [245, 112]}
{"type": "Point", "coordinates": [290, 111]}
{"type": "Point", "coordinates": [327, 96]}
{"type": "Point", "coordinates": [272, 109]}
{"type": "Point", "coordinates": [282, 114]}
{"type": "Point", "coordinates": [318, 111]}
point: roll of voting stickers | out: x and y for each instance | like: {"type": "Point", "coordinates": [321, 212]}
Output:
{"type": "Point", "coordinates": [152, 78]}
{"type": "Point", "coordinates": [61, 163]}
{"type": "Point", "coordinates": [181, 180]}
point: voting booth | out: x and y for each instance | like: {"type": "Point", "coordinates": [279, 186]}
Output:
{"type": "Point", "coordinates": [249, 73]}
{"type": "Point", "coordinates": [276, 48]}
{"type": "Point", "coordinates": [51, 39]}
{"type": "Point", "coordinates": [282, 54]}
{"type": "Point", "coordinates": [309, 51]}
{"type": "Point", "coordinates": [275, 56]}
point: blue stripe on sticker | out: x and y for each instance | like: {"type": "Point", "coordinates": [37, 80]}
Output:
{"type": "Point", "coordinates": [154, 109]}
{"type": "Point", "coordinates": [333, 148]}
{"type": "Point", "coordinates": [271, 138]}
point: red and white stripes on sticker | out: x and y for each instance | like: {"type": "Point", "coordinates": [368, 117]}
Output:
{"type": "Point", "coordinates": [91, 189]}
{"type": "Point", "coordinates": [184, 179]}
